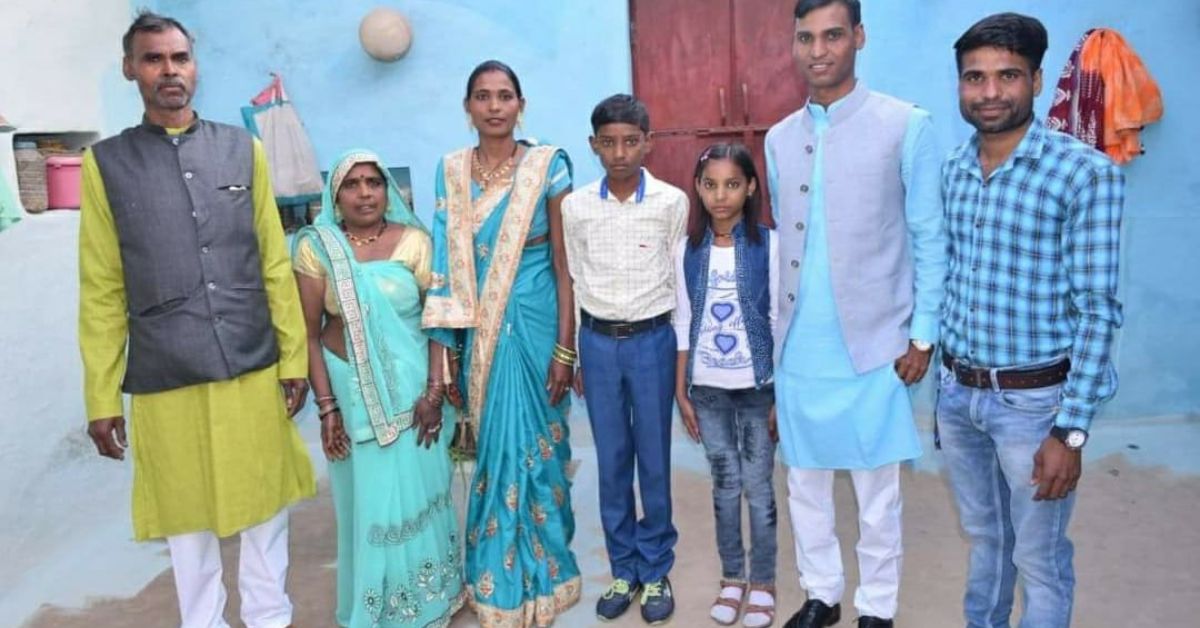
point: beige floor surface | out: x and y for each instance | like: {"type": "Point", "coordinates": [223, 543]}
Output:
{"type": "Point", "coordinates": [1136, 534]}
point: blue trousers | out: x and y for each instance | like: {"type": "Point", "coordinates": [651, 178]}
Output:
{"type": "Point", "coordinates": [629, 386]}
{"type": "Point", "coordinates": [989, 438]}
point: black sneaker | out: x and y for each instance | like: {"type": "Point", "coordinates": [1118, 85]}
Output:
{"type": "Point", "coordinates": [658, 604]}
{"type": "Point", "coordinates": [616, 600]}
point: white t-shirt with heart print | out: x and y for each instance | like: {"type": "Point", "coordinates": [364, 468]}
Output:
{"type": "Point", "coordinates": [722, 353]}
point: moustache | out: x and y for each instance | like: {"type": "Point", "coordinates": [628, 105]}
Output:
{"type": "Point", "coordinates": [170, 83]}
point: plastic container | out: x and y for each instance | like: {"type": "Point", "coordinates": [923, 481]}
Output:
{"type": "Point", "coordinates": [63, 178]}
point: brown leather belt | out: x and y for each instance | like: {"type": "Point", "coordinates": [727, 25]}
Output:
{"type": "Point", "coordinates": [1007, 379]}
{"type": "Point", "coordinates": [623, 329]}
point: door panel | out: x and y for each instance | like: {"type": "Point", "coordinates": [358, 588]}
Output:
{"type": "Point", "coordinates": [683, 60]}
{"type": "Point", "coordinates": [712, 71]}
{"type": "Point", "coordinates": [762, 42]}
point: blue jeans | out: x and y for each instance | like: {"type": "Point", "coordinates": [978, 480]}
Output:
{"type": "Point", "coordinates": [741, 457]}
{"type": "Point", "coordinates": [629, 387]}
{"type": "Point", "coordinates": [989, 438]}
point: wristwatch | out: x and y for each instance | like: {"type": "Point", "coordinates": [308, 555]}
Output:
{"type": "Point", "coordinates": [921, 345]}
{"type": "Point", "coordinates": [1073, 437]}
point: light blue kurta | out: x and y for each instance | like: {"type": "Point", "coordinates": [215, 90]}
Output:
{"type": "Point", "coordinates": [832, 417]}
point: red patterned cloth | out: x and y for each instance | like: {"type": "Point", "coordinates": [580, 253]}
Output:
{"type": "Point", "coordinates": [1105, 96]}
{"type": "Point", "coordinates": [1078, 106]}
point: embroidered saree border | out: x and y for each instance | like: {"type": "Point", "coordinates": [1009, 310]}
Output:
{"type": "Point", "coordinates": [540, 611]}
{"type": "Point", "coordinates": [385, 431]}
{"type": "Point", "coordinates": [458, 310]}
{"type": "Point", "coordinates": [528, 183]}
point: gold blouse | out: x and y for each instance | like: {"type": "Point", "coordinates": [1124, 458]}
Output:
{"type": "Point", "coordinates": [414, 250]}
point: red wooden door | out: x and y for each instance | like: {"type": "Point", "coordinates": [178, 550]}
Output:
{"type": "Point", "coordinates": [711, 71]}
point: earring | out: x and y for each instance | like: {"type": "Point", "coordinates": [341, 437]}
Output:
{"type": "Point", "coordinates": [521, 121]}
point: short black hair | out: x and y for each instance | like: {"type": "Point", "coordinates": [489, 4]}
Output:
{"type": "Point", "coordinates": [854, 7]}
{"type": "Point", "coordinates": [1016, 33]}
{"type": "Point", "coordinates": [620, 109]}
{"type": "Point", "coordinates": [148, 21]}
{"type": "Point", "coordinates": [492, 65]}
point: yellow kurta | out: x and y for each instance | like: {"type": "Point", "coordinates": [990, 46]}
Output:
{"type": "Point", "coordinates": [221, 456]}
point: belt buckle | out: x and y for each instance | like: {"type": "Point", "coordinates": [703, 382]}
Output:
{"type": "Point", "coordinates": [621, 331]}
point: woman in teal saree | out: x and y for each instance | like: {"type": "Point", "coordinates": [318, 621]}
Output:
{"type": "Point", "coordinates": [362, 269]}
{"type": "Point", "coordinates": [500, 297]}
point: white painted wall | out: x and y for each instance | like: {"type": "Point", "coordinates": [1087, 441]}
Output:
{"type": "Point", "coordinates": [60, 504]}
{"type": "Point", "coordinates": [60, 70]}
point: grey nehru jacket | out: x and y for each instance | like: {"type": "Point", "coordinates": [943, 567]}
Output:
{"type": "Point", "coordinates": [870, 262]}
{"type": "Point", "coordinates": [184, 217]}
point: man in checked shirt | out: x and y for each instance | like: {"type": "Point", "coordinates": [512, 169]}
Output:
{"type": "Point", "coordinates": [1034, 221]}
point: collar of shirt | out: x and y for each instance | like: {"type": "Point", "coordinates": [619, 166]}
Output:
{"type": "Point", "coordinates": [838, 110]}
{"type": "Point", "coordinates": [641, 187]}
{"type": "Point", "coordinates": [154, 128]}
{"type": "Point", "coordinates": [966, 157]}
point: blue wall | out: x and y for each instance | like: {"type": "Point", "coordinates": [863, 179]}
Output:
{"type": "Point", "coordinates": [909, 54]}
{"type": "Point", "coordinates": [571, 54]}
{"type": "Point", "coordinates": [568, 55]}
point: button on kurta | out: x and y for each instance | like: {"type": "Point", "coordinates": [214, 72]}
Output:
{"type": "Point", "coordinates": [808, 149]}
{"type": "Point", "coordinates": [799, 226]}
{"type": "Point", "coordinates": [204, 249]}
{"type": "Point", "coordinates": [791, 297]}
{"type": "Point", "coordinates": [804, 188]}
{"type": "Point", "coordinates": [175, 141]}
{"type": "Point", "coordinates": [212, 285]}
{"type": "Point", "coordinates": [795, 263]}
{"type": "Point", "coordinates": [187, 175]}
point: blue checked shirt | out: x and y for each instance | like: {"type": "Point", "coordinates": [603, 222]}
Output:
{"type": "Point", "coordinates": [1033, 256]}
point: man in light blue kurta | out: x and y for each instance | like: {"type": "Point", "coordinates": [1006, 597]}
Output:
{"type": "Point", "coordinates": [854, 178]}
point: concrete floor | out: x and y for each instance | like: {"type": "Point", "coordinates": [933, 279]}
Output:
{"type": "Point", "coordinates": [1135, 531]}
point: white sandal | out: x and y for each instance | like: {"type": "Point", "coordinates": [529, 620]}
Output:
{"type": "Point", "coordinates": [762, 605]}
{"type": "Point", "coordinates": [731, 597]}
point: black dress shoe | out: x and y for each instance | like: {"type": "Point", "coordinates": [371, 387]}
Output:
{"type": "Point", "coordinates": [867, 621]}
{"type": "Point", "coordinates": [815, 614]}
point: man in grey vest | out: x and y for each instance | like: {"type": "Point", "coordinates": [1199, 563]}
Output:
{"type": "Point", "coordinates": [854, 183]}
{"type": "Point", "coordinates": [188, 304]}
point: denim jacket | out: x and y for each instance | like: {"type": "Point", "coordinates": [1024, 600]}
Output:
{"type": "Point", "coordinates": [752, 261]}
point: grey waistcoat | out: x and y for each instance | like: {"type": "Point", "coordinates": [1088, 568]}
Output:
{"type": "Point", "coordinates": [184, 218]}
{"type": "Point", "coordinates": [870, 259]}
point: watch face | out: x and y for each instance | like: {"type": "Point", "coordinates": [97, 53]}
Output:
{"type": "Point", "coordinates": [1076, 438]}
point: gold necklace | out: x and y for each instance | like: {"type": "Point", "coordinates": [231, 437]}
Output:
{"type": "Point", "coordinates": [487, 177]}
{"type": "Point", "coordinates": [357, 241]}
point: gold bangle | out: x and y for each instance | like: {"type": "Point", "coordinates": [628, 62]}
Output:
{"type": "Point", "coordinates": [563, 361]}
{"type": "Point", "coordinates": [567, 352]}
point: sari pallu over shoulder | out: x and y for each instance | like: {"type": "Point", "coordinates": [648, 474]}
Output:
{"type": "Point", "coordinates": [388, 396]}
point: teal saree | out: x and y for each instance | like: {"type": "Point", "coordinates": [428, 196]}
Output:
{"type": "Point", "coordinates": [494, 299]}
{"type": "Point", "coordinates": [399, 551]}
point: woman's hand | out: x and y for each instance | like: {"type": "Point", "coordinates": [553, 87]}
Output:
{"type": "Point", "coordinates": [688, 414]}
{"type": "Point", "coordinates": [428, 417]}
{"type": "Point", "coordinates": [559, 381]}
{"type": "Point", "coordinates": [334, 439]}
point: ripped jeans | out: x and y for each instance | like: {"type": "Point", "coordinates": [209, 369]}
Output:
{"type": "Point", "coordinates": [741, 457]}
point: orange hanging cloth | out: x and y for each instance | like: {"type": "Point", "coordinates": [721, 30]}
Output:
{"type": "Point", "coordinates": [1131, 97]}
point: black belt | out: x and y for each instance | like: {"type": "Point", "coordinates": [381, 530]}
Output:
{"type": "Point", "coordinates": [623, 329]}
{"type": "Point", "coordinates": [1007, 379]}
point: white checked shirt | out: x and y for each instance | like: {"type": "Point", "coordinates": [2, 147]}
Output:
{"type": "Point", "coordinates": [619, 253]}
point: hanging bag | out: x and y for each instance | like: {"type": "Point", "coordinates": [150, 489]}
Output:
{"type": "Point", "coordinates": [294, 172]}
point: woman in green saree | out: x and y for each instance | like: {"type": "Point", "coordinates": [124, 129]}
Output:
{"type": "Point", "coordinates": [362, 269]}
{"type": "Point", "coordinates": [500, 296]}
